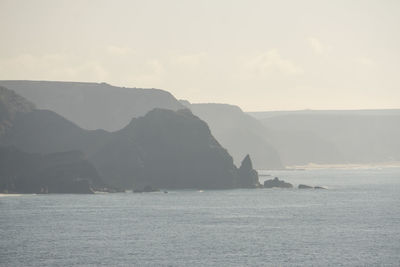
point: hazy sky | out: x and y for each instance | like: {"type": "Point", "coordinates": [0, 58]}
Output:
{"type": "Point", "coordinates": [260, 55]}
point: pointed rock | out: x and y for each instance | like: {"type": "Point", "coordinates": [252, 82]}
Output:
{"type": "Point", "coordinates": [247, 176]}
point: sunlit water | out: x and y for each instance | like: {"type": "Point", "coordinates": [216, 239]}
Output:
{"type": "Point", "coordinates": [355, 222]}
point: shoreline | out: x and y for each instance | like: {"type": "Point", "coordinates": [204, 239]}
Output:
{"type": "Point", "coordinates": [12, 194]}
{"type": "Point", "coordinates": [352, 166]}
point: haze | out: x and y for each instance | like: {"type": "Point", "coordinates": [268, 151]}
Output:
{"type": "Point", "coordinates": [260, 55]}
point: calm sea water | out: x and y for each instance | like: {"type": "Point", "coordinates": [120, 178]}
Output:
{"type": "Point", "coordinates": [354, 223]}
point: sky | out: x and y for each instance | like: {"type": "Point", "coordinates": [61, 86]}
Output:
{"type": "Point", "coordinates": [259, 55]}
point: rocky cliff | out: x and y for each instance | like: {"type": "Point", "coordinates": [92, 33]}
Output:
{"type": "Point", "coordinates": [240, 133]}
{"type": "Point", "coordinates": [163, 149]}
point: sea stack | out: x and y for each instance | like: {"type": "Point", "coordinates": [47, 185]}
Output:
{"type": "Point", "coordinates": [247, 176]}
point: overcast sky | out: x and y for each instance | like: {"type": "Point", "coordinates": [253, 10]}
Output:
{"type": "Point", "coordinates": [260, 55]}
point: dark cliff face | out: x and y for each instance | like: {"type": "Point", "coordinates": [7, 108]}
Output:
{"type": "Point", "coordinates": [93, 105]}
{"type": "Point", "coordinates": [168, 150]}
{"type": "Point", "coordinates": [66, 172]}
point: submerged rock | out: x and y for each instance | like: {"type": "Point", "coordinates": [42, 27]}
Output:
{"type": "Point", "coordinates": [303, 186]}
{"type": "Point", "coordinates": [277, 183]}
{"type": "Point", "coordinates": [319, 187]}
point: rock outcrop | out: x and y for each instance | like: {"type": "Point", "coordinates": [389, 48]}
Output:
{"type": "Point", "coordinates": [247, 176]}
{"type": "Point", "coordinates": [303, 186]}
{"type": "Point", "coordinates": [277, 183]}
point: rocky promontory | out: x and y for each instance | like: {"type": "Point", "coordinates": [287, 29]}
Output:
{"type": "Point", "coordinates": [164, 149]}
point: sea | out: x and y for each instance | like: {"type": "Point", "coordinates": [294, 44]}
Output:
{"type": "Point", "coordinates": [354, 222]}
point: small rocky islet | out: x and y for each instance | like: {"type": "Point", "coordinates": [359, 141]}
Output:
{"type": "Point", "coordinates": [276, 183]}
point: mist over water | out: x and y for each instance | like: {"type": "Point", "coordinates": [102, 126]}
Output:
{"type": "Point", "coordinates": [354, 222]}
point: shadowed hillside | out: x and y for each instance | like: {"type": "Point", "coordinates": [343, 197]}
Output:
{"type": "Point", "coordinates": [66, 172]}
{"type": "Point", "coordinates": [102, 106]}
{"type": "Point", "coordinates": [168, 150]}
{"type": "Point", "coordinates": [163, 149]}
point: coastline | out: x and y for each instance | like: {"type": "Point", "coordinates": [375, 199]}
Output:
{"type": "Point", "coordinates": [315, 166]}
{"type": "Point", "coordinates": [11, 195]}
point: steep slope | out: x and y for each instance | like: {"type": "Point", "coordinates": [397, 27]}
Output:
{"type": "Point", "coordinates": [93, 105]}
{"type": "Point", "coordinates": [329, 137]}
{"type": "Point", "coordinates": [168, 150]}
{"type": "Point", "coordinates": [240, 133]}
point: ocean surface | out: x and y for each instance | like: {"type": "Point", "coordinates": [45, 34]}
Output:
{"type": "Point", "coordinates": [356, 222]}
